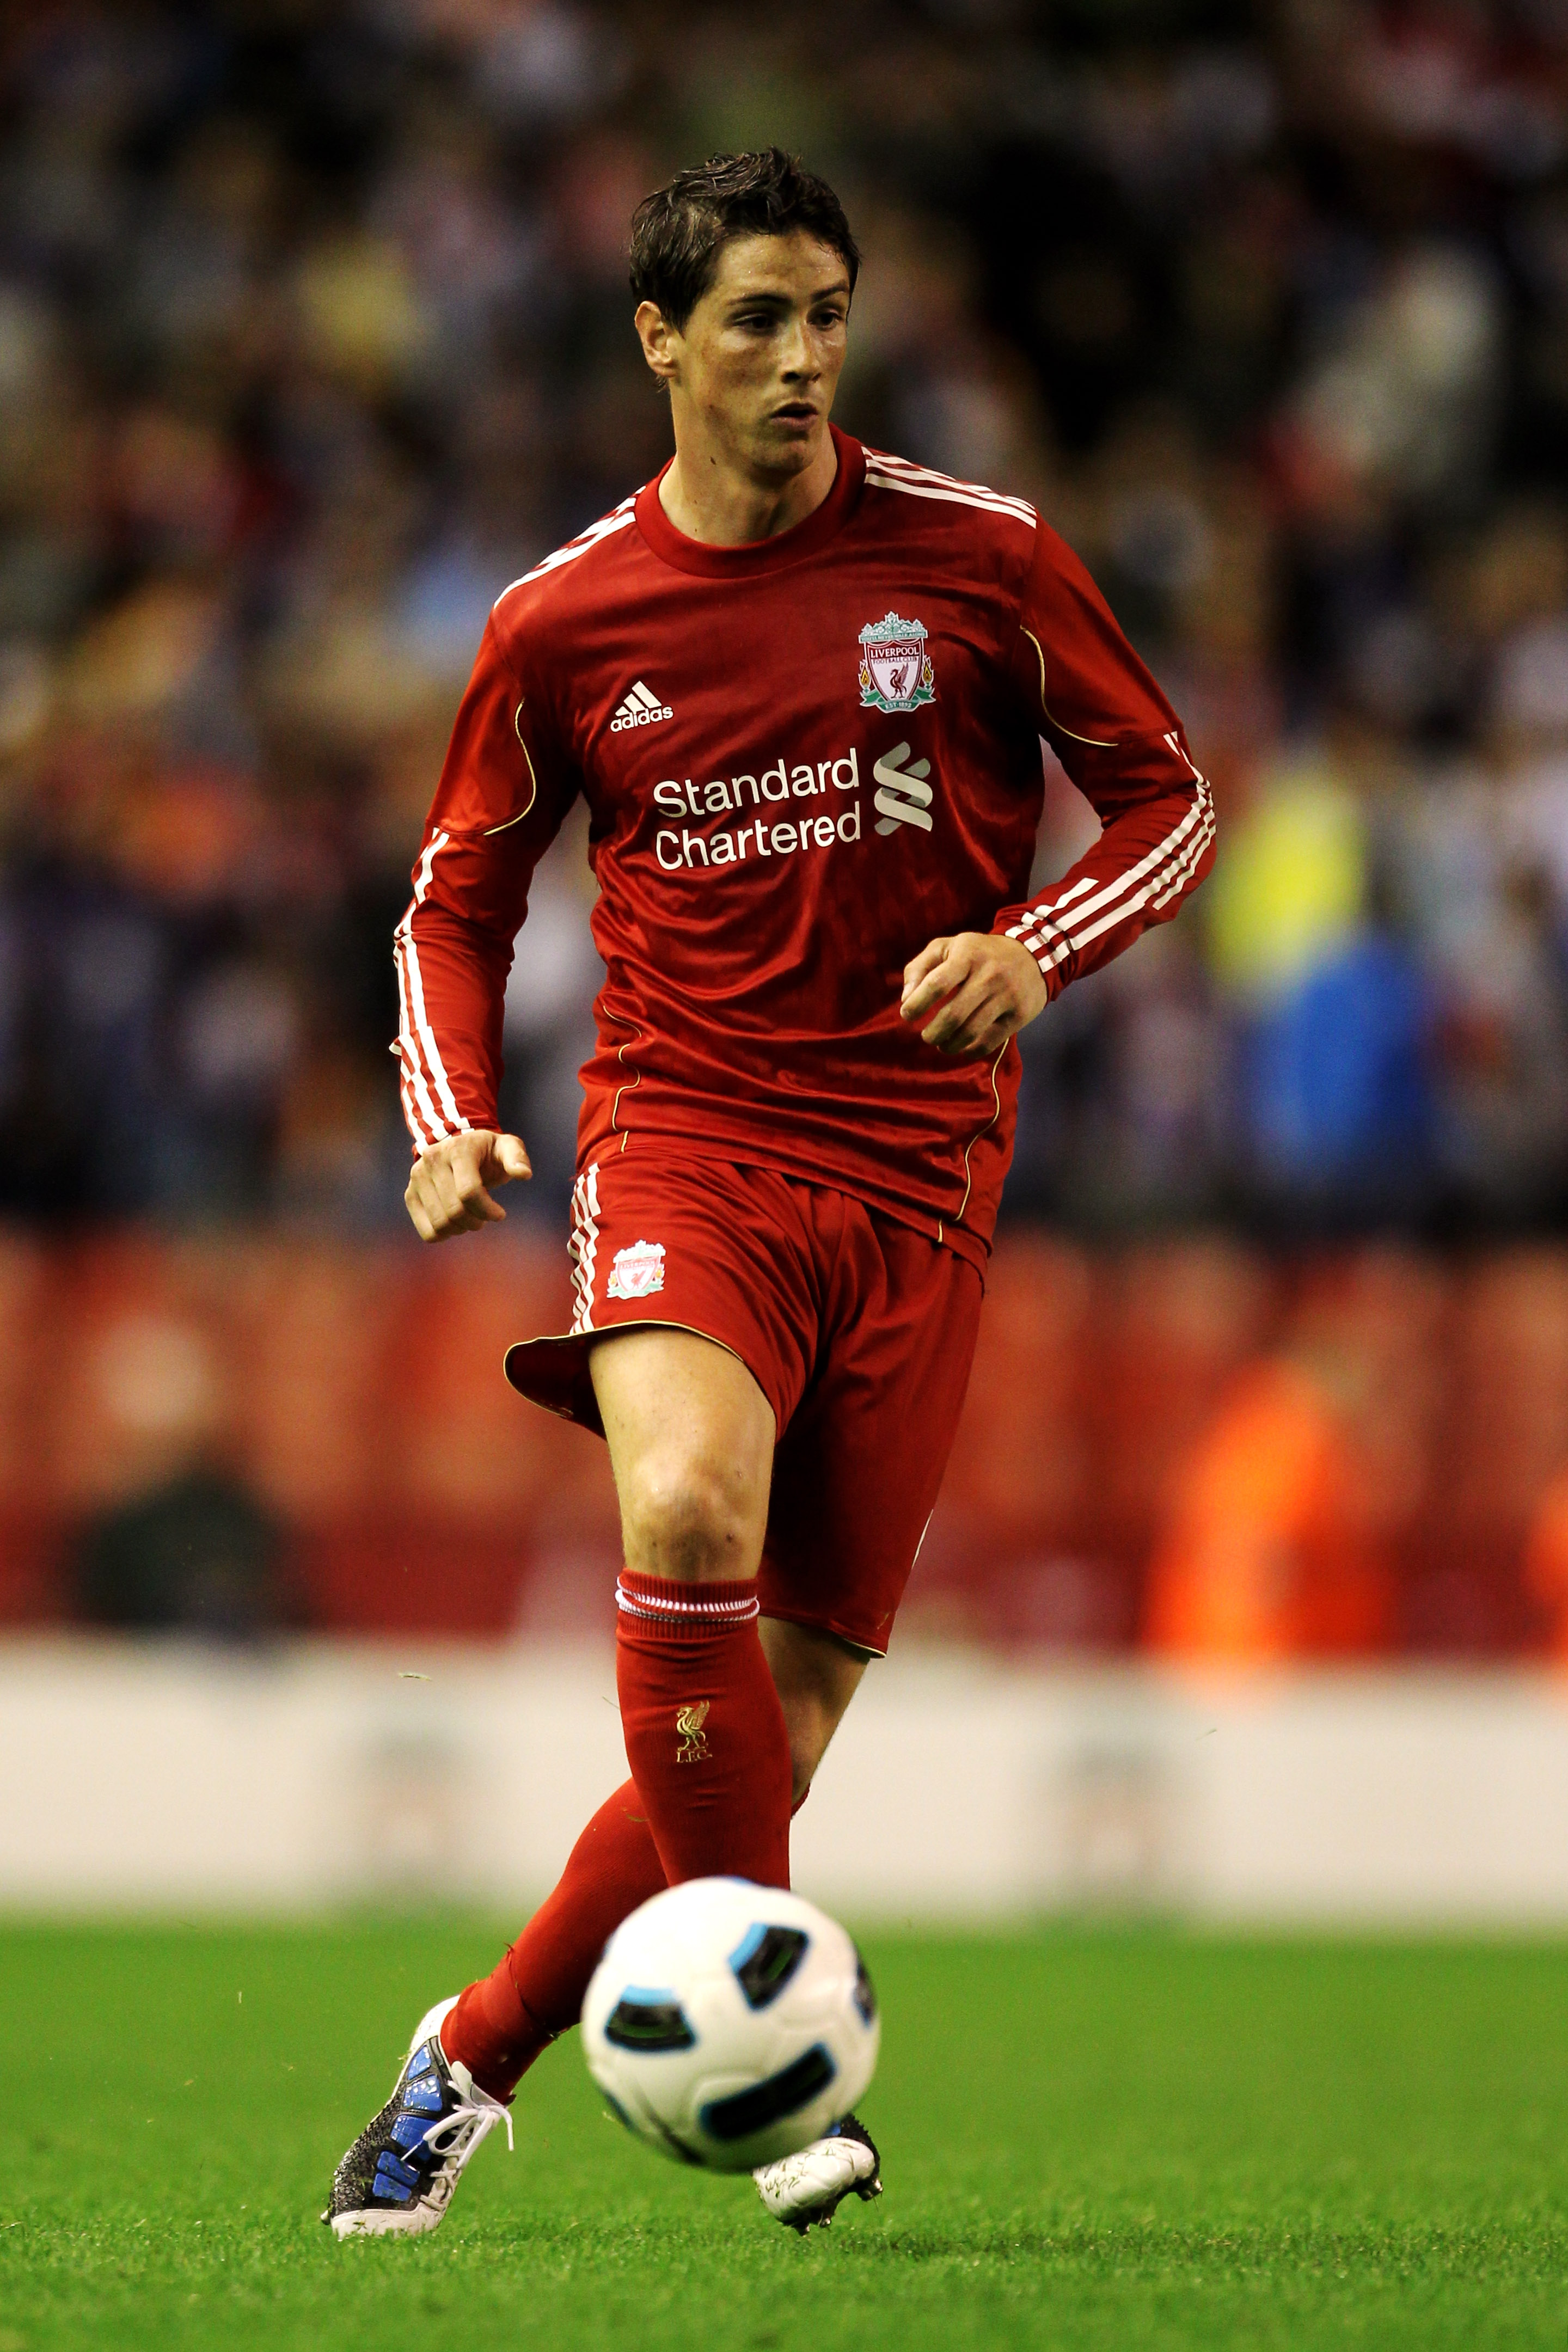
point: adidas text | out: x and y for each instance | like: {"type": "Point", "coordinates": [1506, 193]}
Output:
{"type": "Point", "coordinates": [640, 709]}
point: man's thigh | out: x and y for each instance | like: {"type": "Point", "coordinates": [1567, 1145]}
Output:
{"type": "Point", "coordinates": [857, 1473]}
{"type": "Point", "coordinates": [691, 1441]}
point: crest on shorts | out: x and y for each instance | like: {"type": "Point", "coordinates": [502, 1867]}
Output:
{"type": "Point", "coordinates": [895, 667]}
{"type": "Point", "coordinates": [637, 1272]}
{"type": "Point", "coordinates": [689, 1722]}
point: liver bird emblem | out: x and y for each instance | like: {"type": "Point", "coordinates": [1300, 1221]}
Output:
{"type": "Point", "coordinates": [689, 1722]}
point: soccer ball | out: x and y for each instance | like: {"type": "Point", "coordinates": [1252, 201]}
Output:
{"type": "Point", "coordinates": [729, 2024]}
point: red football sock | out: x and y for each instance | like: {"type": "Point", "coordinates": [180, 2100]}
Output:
{"type": "Point", "coordinates": [704, 1731]}
{"type": "Point", "coordinates": [501, 2023]}
{"type": "Point", "coordinates": [739, 1808]}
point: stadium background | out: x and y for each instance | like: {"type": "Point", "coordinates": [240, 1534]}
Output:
{"type": "Point", "coordinates": [314, 332]}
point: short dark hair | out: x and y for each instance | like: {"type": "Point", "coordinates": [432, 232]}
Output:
{"type": "Point", "coordinates": [678, 231]}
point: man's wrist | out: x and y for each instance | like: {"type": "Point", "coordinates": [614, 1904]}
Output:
{"type": "Point", "coordinates": [1046, 947]}
{"type": "Point", "coordinates": [469, 1126]}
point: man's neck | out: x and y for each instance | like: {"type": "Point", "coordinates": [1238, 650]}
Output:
{"type": "Point", "coordinates": [725, 505]}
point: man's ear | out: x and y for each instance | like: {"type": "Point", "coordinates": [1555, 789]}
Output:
{"type": "Point", "coordinates": [659, 341]}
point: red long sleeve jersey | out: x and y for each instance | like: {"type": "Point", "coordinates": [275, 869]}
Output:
{"type": "Point", "coordinates": [803, 758]}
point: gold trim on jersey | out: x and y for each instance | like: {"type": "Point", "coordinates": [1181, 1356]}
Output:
{"type": "Point", "coordinates": [995, 1114]}
{"type": "Point", "coordinates": [1094, 741]}
{"type": "Point", "coordinates": [532, 781]}
{"type": "Point", "coordinates": [627, 1086]}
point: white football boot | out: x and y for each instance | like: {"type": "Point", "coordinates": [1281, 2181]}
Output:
{"type": "Point", "coordinates": [804, 2190]}
{"type": "Point", "coordinates": [399, 2175]}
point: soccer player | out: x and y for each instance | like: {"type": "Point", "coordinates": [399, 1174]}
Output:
{"type": "Point", "coordinates": [802, 687]}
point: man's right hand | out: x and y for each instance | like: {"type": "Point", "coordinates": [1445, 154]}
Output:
{"type": "Point", "coordinates": [446, 1193]}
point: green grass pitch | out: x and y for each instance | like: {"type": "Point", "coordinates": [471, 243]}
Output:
{"type": "Point", "coordinates": [1094, 2139]}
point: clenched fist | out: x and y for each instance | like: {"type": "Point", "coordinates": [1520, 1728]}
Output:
{"type": "Point", "coordinates": [978, 990]}
{"type": "Point", "coordinates": [448, 1190]}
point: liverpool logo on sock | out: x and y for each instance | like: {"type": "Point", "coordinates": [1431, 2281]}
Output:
{"type": "Point", "coordinates": [689, 1722]}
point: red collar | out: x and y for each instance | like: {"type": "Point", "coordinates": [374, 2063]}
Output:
{"type": "Point", "coordinates": [756, 555]}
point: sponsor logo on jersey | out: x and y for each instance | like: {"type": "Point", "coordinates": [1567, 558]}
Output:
{"type": "Point", "coordinates": [904, 795]}
{"type": "Point", "coordinates": [641, 708]}
{"type": "Point", "coordinates": [688, 841]}
{"type": "Point", "coordinates": [781, 830]}
{"type": "Point", "coordinates": [637, 1272]}
{"type": "Point", "coordinates": [895, 667]}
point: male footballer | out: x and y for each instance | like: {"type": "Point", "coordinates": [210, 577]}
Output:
{"type": "Point", "coordinates": [802, 688]}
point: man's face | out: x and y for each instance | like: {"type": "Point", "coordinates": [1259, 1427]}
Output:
{"type": "Point", "coordinates": [758, 360]}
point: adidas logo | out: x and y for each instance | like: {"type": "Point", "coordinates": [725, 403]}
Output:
{"type": "Point", "coordinates": [640, 709]}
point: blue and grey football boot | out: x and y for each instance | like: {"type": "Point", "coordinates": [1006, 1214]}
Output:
{"type": "Point", "coordinates": [400, 2173]}
{"type": "Point", "coordinates": [804, 2190]}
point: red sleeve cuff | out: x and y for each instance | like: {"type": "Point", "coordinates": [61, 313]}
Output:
{"type": "Point", "coordinates": [1045, 943]}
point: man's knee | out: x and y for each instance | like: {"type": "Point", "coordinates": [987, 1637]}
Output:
{"type": "Point", "coordinates": [686, 1520]}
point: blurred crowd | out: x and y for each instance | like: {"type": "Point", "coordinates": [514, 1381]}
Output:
{"type": "Point", "coordinates": [1189, 1443]}
{"type": "Point", "coordinates": [314, 333]}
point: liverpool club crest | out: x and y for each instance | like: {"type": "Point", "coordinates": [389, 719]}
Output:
{"type": "Point", "coordinates": [895, 667]}
{"type": "Point", "coordinates": [637, 1272]}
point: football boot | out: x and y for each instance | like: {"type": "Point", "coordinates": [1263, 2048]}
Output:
{"type": "Point", "coordinates": [399, 2175]}
{"type": "Point", "coordinates": [804, 2190]}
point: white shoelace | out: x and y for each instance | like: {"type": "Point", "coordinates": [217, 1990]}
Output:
{"type": "Point", "coordinates": [454, 2137]}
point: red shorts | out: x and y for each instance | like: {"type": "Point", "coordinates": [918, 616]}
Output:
{"type": "Point", "coordinates": [858, 1330]}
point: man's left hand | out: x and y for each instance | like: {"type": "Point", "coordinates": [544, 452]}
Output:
{"type": "Point", "coordinates": [977, 989]}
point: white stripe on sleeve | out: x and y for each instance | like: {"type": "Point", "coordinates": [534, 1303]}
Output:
{"type": "Point", "coordinates": [607, 525]}
{"type": "Point", "coordinates": [903, 473]}
{"type": "Point", "coordinates": [416, 1092]}
{"type": "Point", "coordinates": [420, 1133]}
{"type": "Point", "coordinates": [419, 1038]}
{"type": "Point", "coordinates": [1163, 873]}
{"type": "Point", "coordinates": [1199, 818]}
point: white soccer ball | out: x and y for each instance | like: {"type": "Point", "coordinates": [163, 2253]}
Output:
{"type": "Point", "coordinates": [730, 2025]}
